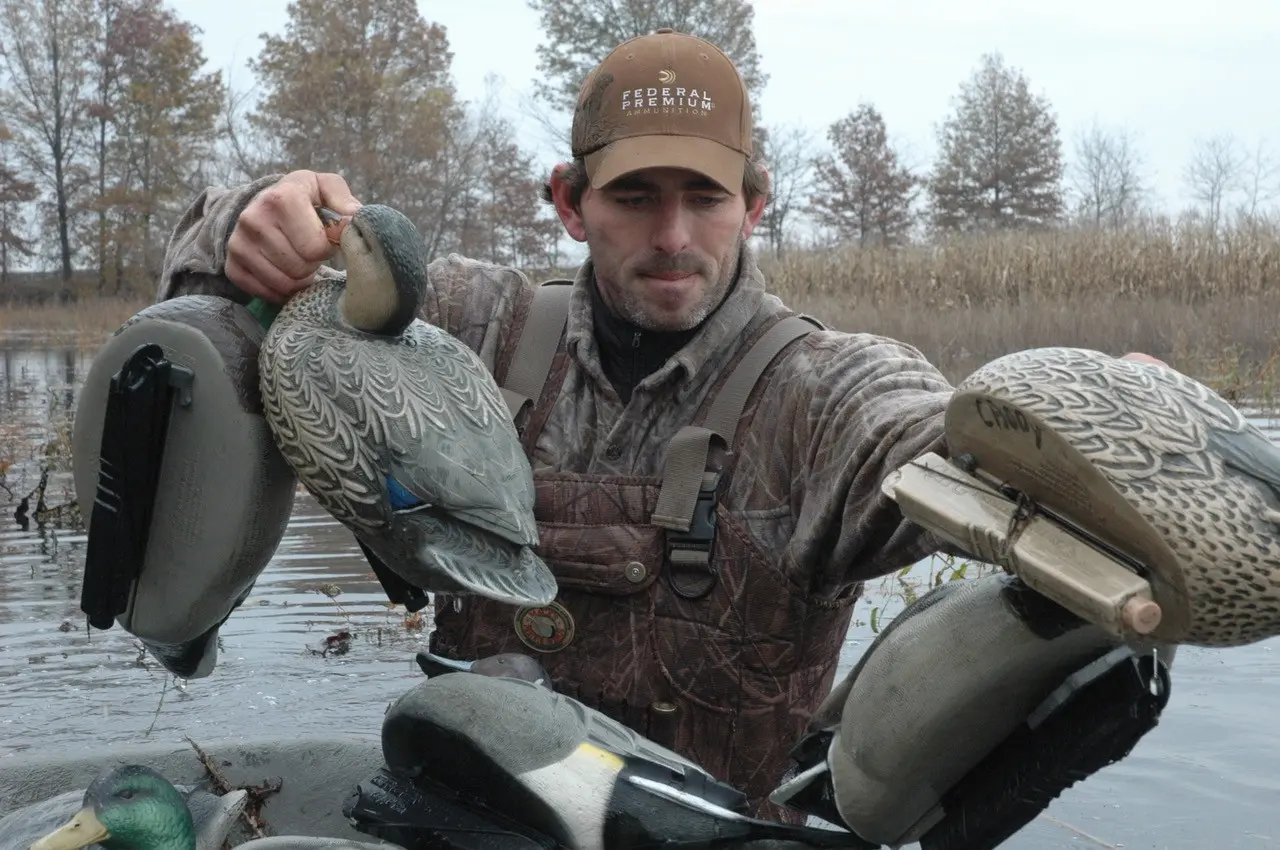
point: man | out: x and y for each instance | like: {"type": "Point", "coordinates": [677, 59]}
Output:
{"type": "Point", "coordinates": [725, 661]}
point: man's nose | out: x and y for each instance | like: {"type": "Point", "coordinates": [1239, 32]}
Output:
{"type": "Point", "coordinates": [671, 230]}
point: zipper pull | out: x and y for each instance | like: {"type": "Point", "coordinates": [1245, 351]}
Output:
{"type": "Point", "coordinates": [635, 339]}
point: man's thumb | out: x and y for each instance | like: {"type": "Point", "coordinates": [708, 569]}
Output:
{"type": "Point", "coordinates": [336, 195]}
{"type": "Point", "coordinates": [344, 204]}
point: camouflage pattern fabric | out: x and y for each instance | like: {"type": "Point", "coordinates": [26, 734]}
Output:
{"type": "Point", "coordinates": [731, 678]}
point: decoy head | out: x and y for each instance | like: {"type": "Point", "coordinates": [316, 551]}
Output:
{"type": "Point", "coordinates": [386, 262]}
{"type": "Point", "coordinates": [127, 808]}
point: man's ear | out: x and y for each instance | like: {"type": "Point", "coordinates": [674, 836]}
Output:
{"type": "Point", "coordinates": [755, 209]}
{"type": "Point", "coordinates": [562, 198]}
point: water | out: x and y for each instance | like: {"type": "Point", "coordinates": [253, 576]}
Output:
{"type": "Point", "coordinates": [1205, 777]}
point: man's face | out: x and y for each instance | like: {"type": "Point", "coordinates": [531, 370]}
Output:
{"type": "Point", "coordinates": [664, 243]}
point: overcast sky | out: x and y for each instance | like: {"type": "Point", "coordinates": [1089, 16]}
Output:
{"type": "Point", "coordinates": [1171, 72]}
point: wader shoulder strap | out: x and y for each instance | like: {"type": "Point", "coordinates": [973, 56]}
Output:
{"type": "Point", "coordinates": [686, 502]}
{"type": "Point", "coordinates": [538, 343]}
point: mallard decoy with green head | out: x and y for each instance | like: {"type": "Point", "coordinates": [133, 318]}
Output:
{"type": "Point", "coordinates": [396, 427]}
{"type": "Point", "coordinates": [206, 816]}
{"type": "Point", "coordinates": [133, 807]}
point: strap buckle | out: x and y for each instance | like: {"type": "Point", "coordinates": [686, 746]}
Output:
{"type": "Point", "coordinates": [691, 572]}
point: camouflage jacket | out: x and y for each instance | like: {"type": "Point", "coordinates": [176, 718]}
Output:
{"type": "Point", "coordinates": [844, 409]}
{"type": "Point", "coordinates": [728, 679]}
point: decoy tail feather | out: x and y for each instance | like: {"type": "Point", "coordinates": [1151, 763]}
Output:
{"type": "Point", "coordinates": [512, 526]}
{"type": "Point", "coordinates": [483, 563]}
{"type": "Point", "coordinates": [1251, 454]}
{"type": "Point", "coordinates": [526, 582]}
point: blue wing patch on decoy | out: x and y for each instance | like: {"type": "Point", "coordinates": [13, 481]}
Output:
{"type": "Point", "coordinates": [400, 497]}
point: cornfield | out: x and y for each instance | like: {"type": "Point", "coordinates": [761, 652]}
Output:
{"type": "Point", "coordinates": [1209, 305]}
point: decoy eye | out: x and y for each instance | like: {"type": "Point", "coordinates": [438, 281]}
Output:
{"type": "Point", "coordinates": [126, 794]}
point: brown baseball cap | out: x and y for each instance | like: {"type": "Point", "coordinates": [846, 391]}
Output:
{"type": "Point", "coordinates": [666, 99]}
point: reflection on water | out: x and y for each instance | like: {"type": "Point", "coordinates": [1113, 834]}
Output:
{"type": "Point", "coordinates": [1204, 778]}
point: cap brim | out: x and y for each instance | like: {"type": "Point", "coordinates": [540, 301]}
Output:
{"type": "Point", "coordinates": [716, 162]}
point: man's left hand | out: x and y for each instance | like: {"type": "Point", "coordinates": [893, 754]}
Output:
{"type": "Point", "coordinates": [1139, 357]}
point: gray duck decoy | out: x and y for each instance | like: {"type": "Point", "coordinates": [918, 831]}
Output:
{"type": "Point", "coordinates": [1154, 468]}
{"type": "Point", "coordinates": [396, 427]}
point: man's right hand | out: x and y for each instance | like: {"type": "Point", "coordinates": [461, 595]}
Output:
{"type": "Point", "coordinates": [279, 241]}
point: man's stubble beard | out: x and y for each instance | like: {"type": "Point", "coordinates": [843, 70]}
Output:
{"type": "Point", "coordinates": [630, 305]}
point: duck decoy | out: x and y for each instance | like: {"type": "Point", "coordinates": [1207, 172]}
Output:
{"type": "Point", "coordinates": [185, 496]}
{"type": "Point", "coordinates": [1025, 700]}
{"type": "Point", "coordinates": [396, 427]}
{"type": "Point", "coordinates": [133, 807]}
{"type": "Point", "coordinates": [1131, 494]}
{"type": "Point", "coordinates": [206, 816]}
{"type": "Point", "coordinates": [506, 756]}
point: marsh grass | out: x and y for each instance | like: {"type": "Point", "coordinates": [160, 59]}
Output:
{"type": "Point", "coordinates": [1230, 343]}
{"type": "Point", "coordinates": [1182, 260]}
{"type": "Point", "coordinates": [87, 321]}
{"type": "Point", "coordinates": [35, 467]}
{"type": "Point", "coordinates": [1206, 303]}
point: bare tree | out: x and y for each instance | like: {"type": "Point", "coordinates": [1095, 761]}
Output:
{"type": "Point", "coordinates": [151, 117]}
{"type": "Point", "coordinates": [580, 33]}
{"type": "Point", "coordinates": [244, 151]}
{"type": "Point", "coordinates": [164, 126]}
{"type": "Point", "coordinates": [1000, 162]}
{"type": "Point", "coordinates": [46, 47]}
{"type": "Point", "coordinates": [506, 221]}
{"type": "Point", "coordinates": [1106, 176]}
{"type": "Point", "coordinates": [1260, 180]}
{"type": "Point", "coordinates": [861, 189]}
{"type": "Point", "coordinates": [104, 93]}
{"type": "Point", "coordinates": [457, 179]}
{"type": "Point", "coordinates": [363, 87]}
{"type": "Point", "coordinates": [1214, 172]}
{"type": "Point", "coordinates": [15, 192]}
{"type": "Point", "coordinates": [788, 153]}
{"type": "Point", "coordinates": [485, 191]}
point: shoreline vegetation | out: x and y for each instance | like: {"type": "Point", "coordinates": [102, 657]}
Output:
{"type": "Point", "coordinates": [1206, 303]}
